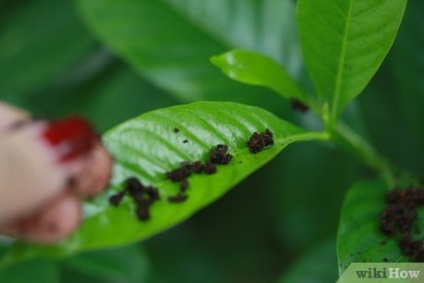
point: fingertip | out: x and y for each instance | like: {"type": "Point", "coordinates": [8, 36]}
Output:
{"type": "Point", "coordinates": [10, 116]}
{"type": "Point", "coordinates": [95, 173]}
{"type": "Point", "coordinates": [54, 223]}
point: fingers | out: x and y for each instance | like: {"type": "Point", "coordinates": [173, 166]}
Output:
{"type": "Point", "coordinates": [37, 161]}
{"type": "Point", "coordinates": [93, 175]}
{"type": "Point", "coordinates": [47, 164]}
{"type": "Point", "coordinates": [10, 116]}
{"type": "Point", "coordinates": [50, 224]}
{"type": "Point", "coordinates": [61, 216]}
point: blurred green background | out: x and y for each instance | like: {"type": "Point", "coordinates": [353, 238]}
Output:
{"type": "Point", "coordinates": [111, 60]}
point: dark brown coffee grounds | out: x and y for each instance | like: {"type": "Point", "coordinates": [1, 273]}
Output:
{"type": "Point", "coordinates": [180, 173]}
{"type": "Point", "coordinates": [116, 198]}
{"type": "Point", "coordinates": [142, 212]}
{"type": "Point", "coordinates": [197, 167]}
{"type": "Point", "coordinates": [219, 155]}
{"type": "Point", "coordinates": [143, 196]}
{"type": "Point", "coordinates": [183, 185]}
{"type": "Point", "coordinates": [209, 168]}
{"type": "Point", "coordinates": [298, 105]}
{"type": "Point", "coordinates": [399, 217]}
{"type": "Point", "coordinates": [178, 198]}
{"type": "Point", "coordinates": [258, 142]}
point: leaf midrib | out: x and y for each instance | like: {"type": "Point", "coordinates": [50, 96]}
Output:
{"type": "Point", "coordinates": [336, 96]}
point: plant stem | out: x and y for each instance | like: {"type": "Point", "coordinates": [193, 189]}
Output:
{"type": "Point", "coordinates": [358, 146]}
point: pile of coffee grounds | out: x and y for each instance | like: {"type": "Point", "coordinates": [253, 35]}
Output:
{"type": "Point", "coordinates": [298, 105]}
{"type": "Point", "coordinates": [258, 142]}
{"type": "Point", "coordinates": [143, 196]}
{"type": "Point", "coordinates": [397, 220]}
{"type": "Point", "coordinates": [217, 156]}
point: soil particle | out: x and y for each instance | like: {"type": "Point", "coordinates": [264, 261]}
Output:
{"type": "Point", "coordinates": [258, 142]}
{"type": "Point", "coordinates": [298, 105]}
{"type": "Point", "coordinates": [185, 141]}
{"type": "Point", "coordinates": [399, 217]}
{"type": "Point", "coordinates": [176, 130]}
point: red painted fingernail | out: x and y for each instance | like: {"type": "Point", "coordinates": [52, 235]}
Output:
{"type": "Point", "coordinates": [71, 137]}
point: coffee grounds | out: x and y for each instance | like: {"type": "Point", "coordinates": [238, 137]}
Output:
{"type": "Point", "coordinates": [183, 185]}
{"type": "Point", "coordinates": [258, 142]}
{"type": "Point", "coordinates": [197, 167]}
{"type": "Point", "coordinates": [178, 198]}
{"type": "Point", "coordinates": [399, 217]}
{"type": "Point", "coordinates": [143, 196]}
{"type": "Point", "coordinates": [217, 155]}
{"type": "Point", "coordinates": [298, 105]}
{"type": "Point", "coordinates": [180, 173]}
{"type": "Point", "coordinates": [116, 198]}
{"type": "Point", "coordinates": [209, 167]}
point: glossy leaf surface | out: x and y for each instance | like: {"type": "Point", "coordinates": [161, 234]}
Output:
{"type": "Point", "coordinates": [344, 42]}
{"type": "Point", "coordinates": [148, 146]}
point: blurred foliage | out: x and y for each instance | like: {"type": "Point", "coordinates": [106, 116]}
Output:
{"type": "Point", "coordinates": [53, 65]}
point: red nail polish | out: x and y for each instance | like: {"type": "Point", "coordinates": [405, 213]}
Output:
{"type": "Point", "coordinates": [71, 137]}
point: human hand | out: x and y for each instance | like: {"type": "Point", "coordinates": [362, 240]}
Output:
{"type": "Point", "coordinates": [46, 167]}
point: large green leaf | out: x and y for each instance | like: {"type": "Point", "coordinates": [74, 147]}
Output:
{"type": "Point", "coordinates": [147, 147]}
{"type": "Point", "coordinates": [35, 51]}
{"type": "Point", "coordinates": [359, 236]}
{"type": "Point", "coordinates": [317, 265]}
{"type": "Point", "coordinates": [344, 43]}
{"type": "Point", "coordinates": [253, 68]}
{"type": "Point", "coordinates": [174, 52]}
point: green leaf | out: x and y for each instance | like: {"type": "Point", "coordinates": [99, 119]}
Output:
{"type": "Point", "coordinates": [359, 237]}
{"type": "Point", "coordinates": [344, 42]}
{"type": "Point", "coordinates": [177, 59]}
{"type": "Point", "coordinates": [253, 68]}
{"type": "Point", "coordinates": [317, 265]}
{"type": "Point", "coordinates": [33, 51]}
{"type": "Point", "coordinates": [125, 264]}
{"type": "Point", "coordinates": [36, 271]}
{"type": "Point", "coordinates": [147, 147]}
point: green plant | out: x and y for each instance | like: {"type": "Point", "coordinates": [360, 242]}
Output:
{"type": "Point", "coordinates": [343, 44]}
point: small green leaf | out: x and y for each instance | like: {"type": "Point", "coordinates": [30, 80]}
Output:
{"type": "Point", "coordinates": [344, 43]}
{"type": "Point", "coordinates": [253, 68]}
{"type": "Point", "coordinates": [148, 146]}
{"type": "Point", "coordinates": [359, 237]}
